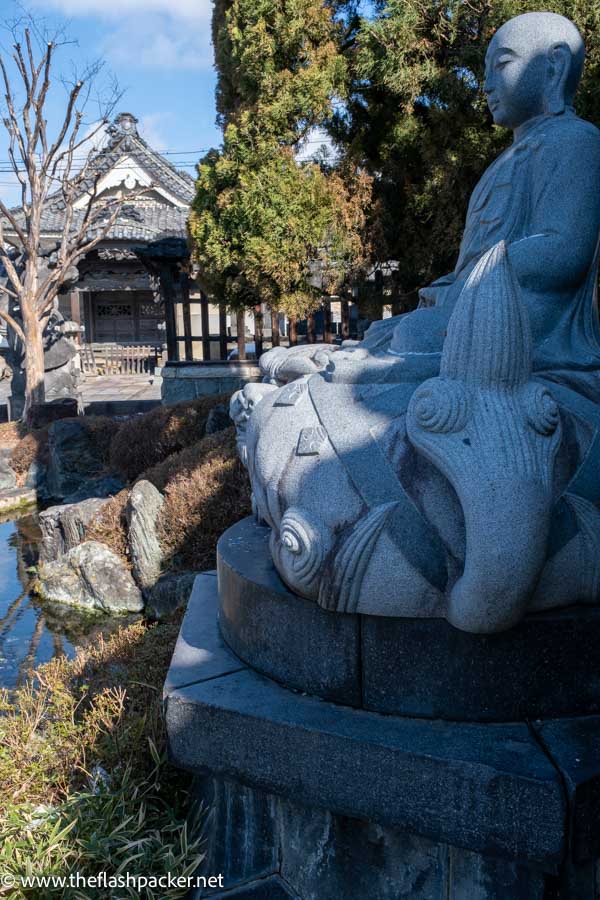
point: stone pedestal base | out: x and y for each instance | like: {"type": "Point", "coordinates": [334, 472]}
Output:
{"type": "Point", "coordinates": [317, 800]}
{"type": "Point", "coordinates": [270, 847]}
{"type": "Point", "coordinates": [181, 382]}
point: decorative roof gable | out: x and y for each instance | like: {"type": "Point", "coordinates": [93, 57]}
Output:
{"type": "Point", "coordinates": [127, 161]}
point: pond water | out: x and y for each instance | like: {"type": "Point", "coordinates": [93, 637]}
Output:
{"type": "Point", "coordinates": [33, 631]}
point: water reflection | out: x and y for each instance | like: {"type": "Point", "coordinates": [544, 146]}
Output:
{"type": "Point", "coordinates": [31, 631]}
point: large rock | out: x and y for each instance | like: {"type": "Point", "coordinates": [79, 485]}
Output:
{"type": "Point", "coordinates": [37, 479]}
{"type": "Point", "coordinates": [143, 508]}
{"type": "Point", "coordinates": [169, 594]}
{"type": "Point", "coordinates": [8, 479]}
{"type": "Point", "coordinates": [63, 527]}
{"type": "Point", "coordinates": [90, 576]}
{"type": "Point", "coordinates": [72, 458]}
{"type": "Point", "coordinates": [103, 487]}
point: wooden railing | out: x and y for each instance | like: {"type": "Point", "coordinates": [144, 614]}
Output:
{"type": "Point", "coordinates": [120, 359]}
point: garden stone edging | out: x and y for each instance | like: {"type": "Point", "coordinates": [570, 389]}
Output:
{"type": "Point", "coordinates": [170, 593]}
{"type": "Point", "coordinates": [90, 576]}
{"type": "Point", "coordinates": [143, 508]}
{"type": "Point", "coordinates": [63, 527]}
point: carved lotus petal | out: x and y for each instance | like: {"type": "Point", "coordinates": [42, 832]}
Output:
{"type": "Point", "coordinates": [303, 546]}
{"type": "Point", "coordinates": [441, 406]}
{"type": "Point", "coordinates": [541, 409]}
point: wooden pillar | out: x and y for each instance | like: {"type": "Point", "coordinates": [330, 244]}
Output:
{"type": "Point", "coordinates": [310, 329]}
{"type": "Point", "coordinates": [258, 330]}
{"type": "Point", "coordinates": [293, 331]}
{"type": "Point", "coordinates": [187, 317]}
{"type": "Point", "coordinates": [223, 347]}
{"type": "Point", "coordinates": [327, 336]}
{"type": "Point", "coordinates": [345, 313]}
{"type": "Point", "coordinates": [241, 334]}
{"type": "Point", "coordinates": [205, 321]}
{"type": "Point", "coordinates": [168, 293]}
{"type": "Point", "coordinates": [274, 329]}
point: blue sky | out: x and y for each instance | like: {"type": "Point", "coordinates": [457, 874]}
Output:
{"type": "Point", "coordinates": [160, 52]}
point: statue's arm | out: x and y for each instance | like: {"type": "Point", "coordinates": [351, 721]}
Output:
{"type": "Point", "coordinates": [565, 220]}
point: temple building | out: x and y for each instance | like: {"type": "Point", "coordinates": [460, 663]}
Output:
{"type": "Point", "coordinates": [136, 302]}
{"type": "Point", "coordinates": [134, 284]}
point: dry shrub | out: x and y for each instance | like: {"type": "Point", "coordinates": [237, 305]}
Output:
{"type": "Point", "coordinates": [206, 490]}
{"type": "Point", "coordinates": [52, 730]}
{"type": "Point", "coordinates": [33, 447]}
{"type": "Point", "coordinates": [58, 812]}
{"type": "Point", "coordinates": [109, 526]}
{"type": "Point", "coordinates": [11, 433]}
{"type": "Point", "coordinates": [147, 440]}
{"type": "Point", "coordinates": [102, 431]}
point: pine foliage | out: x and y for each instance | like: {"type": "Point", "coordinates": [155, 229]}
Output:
{"type": "Point", "coordinates": [417, 118]}
{"type": "Point", "coordinates": [264, 227]}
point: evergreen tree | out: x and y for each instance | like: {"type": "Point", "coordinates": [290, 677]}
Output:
{"type": "Point", "coordinates": [261, 221]}
{"type": "Point", "coordinates": [417, 119]}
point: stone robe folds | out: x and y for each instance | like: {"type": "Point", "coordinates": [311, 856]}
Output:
{"type": "Point", "coordinates": [541, 196]}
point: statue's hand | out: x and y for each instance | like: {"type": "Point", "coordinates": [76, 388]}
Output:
{"type": "Point", "coordinates": [280, 365]}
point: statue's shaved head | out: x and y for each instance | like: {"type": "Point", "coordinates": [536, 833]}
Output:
{"type": "Point", "coordinates": [533, 67]}
{"type": "Point", "coordinates": [538, 33]}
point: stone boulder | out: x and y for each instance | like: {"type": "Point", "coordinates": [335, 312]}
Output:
{"type": "Point", "coordinates": [142, 511]}
{"type": "Point", "coordinates": [72, 458]}
{"type": "Point", "coordinates": [169, 594]}
{"type": "Point", "coordinates": [90, 576]}
{"type": "Point", "coordinates": [103, 487]}
{"type": "Point", "coordinates": [63, 527]}
{"type": "Point", "coordinates": [8, 479]}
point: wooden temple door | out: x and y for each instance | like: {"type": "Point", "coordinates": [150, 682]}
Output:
{"type": "Point", "coordinates": [113, 317]}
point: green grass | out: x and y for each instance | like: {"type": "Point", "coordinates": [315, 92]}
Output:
{"type": "Point", "coordinates": [85, 785]}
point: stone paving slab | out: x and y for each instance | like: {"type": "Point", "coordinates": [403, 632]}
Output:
{"type": "Point", "coordinates": [200, 652]}
{"type": "Point", "coordinates": [121, 391]}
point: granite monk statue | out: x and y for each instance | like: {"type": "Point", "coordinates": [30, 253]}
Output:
{"type": "Point", "coordinates": [449, 465]}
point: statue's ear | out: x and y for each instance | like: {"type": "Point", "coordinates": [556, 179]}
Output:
{"type": "Point", "coordinates": [559, 66]}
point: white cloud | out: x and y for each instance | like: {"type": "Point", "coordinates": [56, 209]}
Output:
{"type": "Point", "coordinates": [155, 34]}
{"type": "Point", "coordinates": [183, 9]}
{"type": "Point", "coordinates": [160, 42]}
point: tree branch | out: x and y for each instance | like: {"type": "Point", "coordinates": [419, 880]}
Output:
{"type": "Point", "coordinates": [12, 323]}
{"type": "Point", "coordinates": [7, 213]}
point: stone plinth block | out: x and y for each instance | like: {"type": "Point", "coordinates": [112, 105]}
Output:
{"type": "Point", "coordinates": [187, 382]}
{"type": "Point", "coordinates": [489, 788]}
{"type": "Point", "coordinates": [548, 665]}
{"type": "Point", "coordinates": [312, 799]}
{"type": "Point", "coordinates": [280, 634]}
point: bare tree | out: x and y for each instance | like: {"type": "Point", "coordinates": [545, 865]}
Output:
{"type": "Point", "coordinates": [60, 168]}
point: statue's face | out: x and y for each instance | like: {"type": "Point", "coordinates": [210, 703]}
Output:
{"type": "Point", "coordinates": [515, 77]}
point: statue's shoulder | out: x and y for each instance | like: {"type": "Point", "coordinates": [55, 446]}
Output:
{"type": "Point", "coordinates": [571, 132]}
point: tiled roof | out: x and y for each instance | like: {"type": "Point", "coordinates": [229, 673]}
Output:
{"type": "Point", "coordinates": [151, 222]}
{"type": "Point", "coordinates": [140, 220]}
